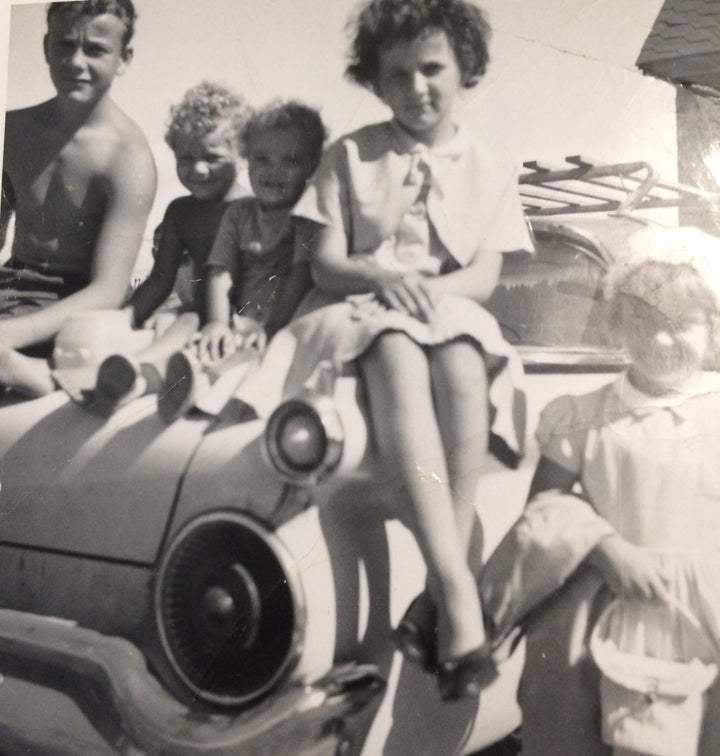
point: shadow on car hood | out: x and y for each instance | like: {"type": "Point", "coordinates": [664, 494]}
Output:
{"type": "Point", "coordinates": [75, 482]}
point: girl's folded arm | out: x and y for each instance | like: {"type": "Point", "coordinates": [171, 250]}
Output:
{"type": "Point", "coordinates": [476, 281]}
{"type": "Point", "coordinates": [334, 271]}
{"type": "Point", "coordinates": [550, 476]}
{"type": "Point", "coordinates": [629, 570]}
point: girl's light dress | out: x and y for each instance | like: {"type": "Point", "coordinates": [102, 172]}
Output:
{"type": "Point", "coordinates": [417, 210]}
{"type": "Point", "coordinates": [648, 466]}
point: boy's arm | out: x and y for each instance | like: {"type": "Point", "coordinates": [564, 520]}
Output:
{"type": "Point", "coordinates": [159, 284]}
{"type": "Point", "coordinates": [300, 279]}
{"type": "Point", "coordinates": [216, 340]}
{"type": "Point", "coordinates": [296, 287]}
{"type": "Point", "coordinates": [7, 205]}
{"type": "Point", "coordinates": [219, 283]}
{"type": "Point", "coordinates": [131, 190]}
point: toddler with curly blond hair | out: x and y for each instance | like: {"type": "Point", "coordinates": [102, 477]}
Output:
{"type": "Point", "coordinates": [205, 134]}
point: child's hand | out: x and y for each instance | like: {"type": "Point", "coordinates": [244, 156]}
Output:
{"type": "Point", "coordinates": [249, 334]}
{"type": "Point", "coordinates": [407, 293]}
{"type": "Point", "coordinates": [216, 341]}
{"type": "Point", "coordinates": [630, 571]}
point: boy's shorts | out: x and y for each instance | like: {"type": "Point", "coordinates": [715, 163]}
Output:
{"type": "Point", "coordinates": [24, 290]}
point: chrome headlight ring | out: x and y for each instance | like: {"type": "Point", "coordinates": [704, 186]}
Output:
{"type": "Point", "coordinates": [304, 439]}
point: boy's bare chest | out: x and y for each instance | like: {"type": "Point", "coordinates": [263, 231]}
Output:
{"type": "Point", "coordinates": [61, 178]}
{"type": "Point", "coordinates": [71, 180]}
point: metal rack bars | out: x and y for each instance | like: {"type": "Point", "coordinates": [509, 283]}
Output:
{"type": "Point", "coordinates": [584, 186]}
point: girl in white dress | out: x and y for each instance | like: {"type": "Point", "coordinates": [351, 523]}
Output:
{"type": "Point", "coordinates": [623, 504]}
{"type": "Point", "coordinates": [415, 216]}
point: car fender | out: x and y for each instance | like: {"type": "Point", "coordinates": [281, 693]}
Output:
{"type": "Point", "coordinates": [62, 463]}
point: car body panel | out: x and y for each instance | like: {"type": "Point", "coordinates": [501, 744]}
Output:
{"type": "Point", "coordinates": [228, 471]}
{"type": "Point", "coordinates": [98, 473]}
{"type": "Point", "coordinates": [111, 597]}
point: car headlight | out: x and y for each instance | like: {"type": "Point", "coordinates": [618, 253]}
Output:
{"type": "Point", "coordinates": [230, 609]}
{"type": "Point", "coordinates": [304, 439]}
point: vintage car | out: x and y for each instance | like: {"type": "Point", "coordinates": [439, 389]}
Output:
{"type": "Point", "coordinates": [222, 585]}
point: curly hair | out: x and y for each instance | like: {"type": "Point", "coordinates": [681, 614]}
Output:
{"type": "Point", "coordinates": [123, 9]}
{"type": "Point", "coordinates": [381, 22]}
{"type": "Point", "coordinates": [203, 108]}
{"type": "Point", "coordinates": [288, 115]}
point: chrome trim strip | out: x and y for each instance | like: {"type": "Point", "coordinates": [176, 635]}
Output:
{"type": "Point", "coordinates": [134, 713]}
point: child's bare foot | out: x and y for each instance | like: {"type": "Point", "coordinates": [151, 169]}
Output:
{"type": "Point", "coordinates": [29, 375]}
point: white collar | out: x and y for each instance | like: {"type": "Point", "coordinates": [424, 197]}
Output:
{"type": "Point", "coordinates": [632, 398]}
{"type": "Point", "coordinates": [405, 143]}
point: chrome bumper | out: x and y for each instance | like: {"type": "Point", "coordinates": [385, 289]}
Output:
{"type": "Point", "coordinates": [108, 679]}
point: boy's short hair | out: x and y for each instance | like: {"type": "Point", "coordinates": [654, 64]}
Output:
{"type": "Point", "coordinates": [203, 108]}
{"type": "Point", "coordinates": [381, 22]}
{"type": "Point", "coordinates": [288, 115]}
{"type": "Point", "coordinates": [123, 9]}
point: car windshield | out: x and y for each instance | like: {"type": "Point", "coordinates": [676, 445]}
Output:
{"type": "Point", "coordinates": [550, 305]}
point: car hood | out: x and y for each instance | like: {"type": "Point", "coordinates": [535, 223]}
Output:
{"type": "Point", "coordinates": [75, 482]}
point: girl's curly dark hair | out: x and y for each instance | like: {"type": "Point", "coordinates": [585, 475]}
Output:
{"type": "Point", "coordinates": [123, 9]}
{"type": "Point", "coordinates": [382, 22]}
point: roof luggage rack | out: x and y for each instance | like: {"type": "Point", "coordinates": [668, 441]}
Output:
{"type": "Point", "coordinates": [582, 186]}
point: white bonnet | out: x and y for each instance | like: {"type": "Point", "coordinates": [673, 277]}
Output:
{"type": "Point", "coordinates": [679, 245]}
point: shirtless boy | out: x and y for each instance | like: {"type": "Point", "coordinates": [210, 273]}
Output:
{"type": "Point", "coordinates": [80, 178]}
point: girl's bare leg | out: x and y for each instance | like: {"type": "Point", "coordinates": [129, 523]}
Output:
{"type": "Point", "coordinates": [397, 379]}
{"type": "Point", "coordinates": [460, 391]}
{"type": "Point", "coordinates": [459, 384]}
